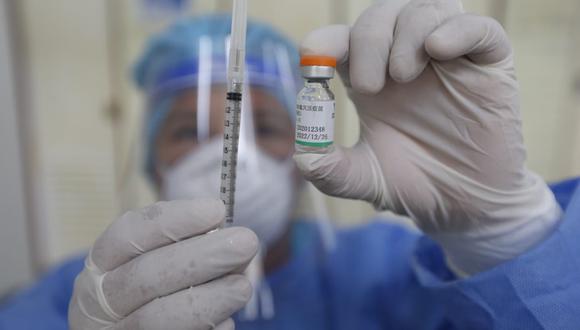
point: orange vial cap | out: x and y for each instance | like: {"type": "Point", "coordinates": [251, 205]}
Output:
{"type": "Point", "coordinates": [318, 60]}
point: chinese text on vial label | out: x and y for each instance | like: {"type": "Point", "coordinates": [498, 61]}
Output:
{"type": "Point", "coordinates": [315, 123]}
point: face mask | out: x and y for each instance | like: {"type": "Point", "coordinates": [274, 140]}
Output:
{"type": "Point", "coordinates": [264, 186]}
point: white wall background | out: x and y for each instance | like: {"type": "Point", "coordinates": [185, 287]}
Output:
{"type": "Point", "coordinates": [15, 256]}
{"type": "Point", "coordinates": [84, 117]}
{"type": "Point", "coordinates": [70, 138]}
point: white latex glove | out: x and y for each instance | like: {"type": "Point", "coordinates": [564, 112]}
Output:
{"type": "Point", "coordinates": [441, 141]}
{"type": "Point", "coordinates": [155, 269]}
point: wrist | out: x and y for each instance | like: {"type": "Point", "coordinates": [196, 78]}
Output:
{"type": "Point", "coordinates": [504, 235]}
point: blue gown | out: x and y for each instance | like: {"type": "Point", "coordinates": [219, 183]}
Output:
{"type": "Point", "coordinates": [382, 276]}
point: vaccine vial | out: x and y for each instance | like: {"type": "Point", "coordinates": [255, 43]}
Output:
{"type": "Point", "coordinates": [315, 106]}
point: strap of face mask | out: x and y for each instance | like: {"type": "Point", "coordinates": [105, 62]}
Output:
{"type": "Point", "coordinates": [322, 216]}
{"type": "Point", "coordinates": [261, 305]}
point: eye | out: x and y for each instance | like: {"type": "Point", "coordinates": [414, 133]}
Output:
{"type": "Point", "coordinates": [264, 129]}
{"type": "Point", "coordinates": [181, 134]}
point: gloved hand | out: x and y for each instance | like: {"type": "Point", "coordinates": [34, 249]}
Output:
{"type": "Point", "coordinates": [440, 130]}
{"type": "Point", "coordinates": [159, 268]}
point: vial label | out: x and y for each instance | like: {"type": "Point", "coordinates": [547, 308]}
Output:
{"type": "Point", "coordinates": [315, 123]}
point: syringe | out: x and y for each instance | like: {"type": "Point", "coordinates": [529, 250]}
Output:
{"type": "Point", "coordinates": [233, 109]}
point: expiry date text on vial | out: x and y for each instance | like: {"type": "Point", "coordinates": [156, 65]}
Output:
{"type": "Point", "coordinates": [311, 136]}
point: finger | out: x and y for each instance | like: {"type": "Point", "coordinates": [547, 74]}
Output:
{"type": "Point", "coordinates": [345, 172]}
{"type": "Point", "coordinates": [371, 39]}
{"type": "Point", "coordinates": [416, 22]}
{"type": "Point", "coordinates": [152, 227]}
{"type": "Point", "coordinates": [332, 41]}
{"type": "Point", "coordinates": [207, 306]}
{"type": "Point", "coordinates": [178, 266]}
{"type": "Point", "coordinates": [480, 38]}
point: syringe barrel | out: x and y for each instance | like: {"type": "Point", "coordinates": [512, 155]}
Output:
{"type": "Point", "coordinates": [230, 152]}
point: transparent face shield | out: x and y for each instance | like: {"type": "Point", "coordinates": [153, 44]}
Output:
{"type": "Point", "coordinates": [198, 92]}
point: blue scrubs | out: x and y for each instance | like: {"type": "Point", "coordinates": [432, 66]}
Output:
{"type": "Point", "coordinates": [382, 276]}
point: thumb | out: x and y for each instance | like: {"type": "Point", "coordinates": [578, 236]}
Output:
{"type": "Point", "coordinates": [332, 40]}
{"type": "Point", "coordinates": [352, 173]}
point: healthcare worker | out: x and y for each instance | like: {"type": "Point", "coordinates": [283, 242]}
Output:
{"type": "Point", "coordinates": [440, 142]}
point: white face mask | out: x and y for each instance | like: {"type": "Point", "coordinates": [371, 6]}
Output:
{"type": "Point", "coordinates": [264, 187]}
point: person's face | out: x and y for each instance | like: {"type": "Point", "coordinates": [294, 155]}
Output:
{"type": "Point", "coordinates": [178, 136]}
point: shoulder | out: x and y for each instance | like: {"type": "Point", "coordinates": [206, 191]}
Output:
{"type": "Point", "coordinates": [378, 231]}
{"type": "Point", "coordinates": [379, 247]}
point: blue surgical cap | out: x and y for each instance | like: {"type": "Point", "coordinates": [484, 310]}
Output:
{"type": "Point", "coordinates": [170, 64]}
